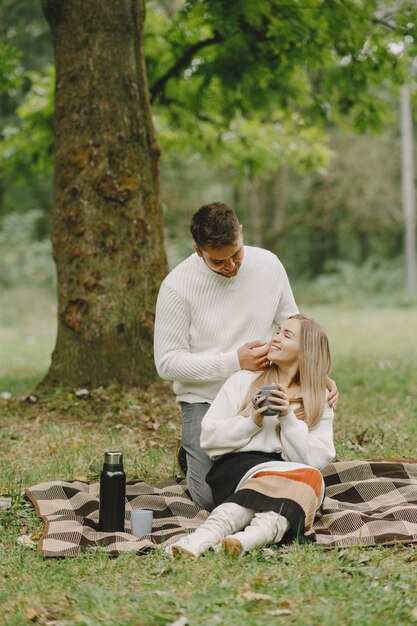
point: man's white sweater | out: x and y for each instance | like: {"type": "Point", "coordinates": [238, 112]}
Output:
{"type": "Point", "coordinates": [202, 318]}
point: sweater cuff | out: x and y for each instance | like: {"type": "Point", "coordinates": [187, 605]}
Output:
{"type": "Point", "coordinates": [288, 420]}
{"type": "Point", "coordinates": [231, 362]}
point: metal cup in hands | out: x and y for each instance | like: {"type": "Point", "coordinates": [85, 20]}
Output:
{"type": "Point", "coordinates": [264, 391]}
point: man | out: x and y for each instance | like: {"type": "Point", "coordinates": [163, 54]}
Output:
{"type": "Point", "coordinates": [216, 313]}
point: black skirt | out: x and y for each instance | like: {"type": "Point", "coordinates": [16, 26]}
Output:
{"type": "Point", "coordinates": [227, 472]}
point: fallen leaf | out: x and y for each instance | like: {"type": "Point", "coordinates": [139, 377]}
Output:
{"type": "Point", "coordinates": [288, 603]}
{"type": "Point", "coordinates": [355, 446]}
{"type": "Point", "coordinates": [269, 552]}
{"type": "Point", "coordinates": [254, 595]}
{"type": "Point", "coordinates": [5, 503]}
{"type": "Point", "coordinates": [26, 541]}
{"type": "Point", "coordinates": [32, 614]}
{"type": "Point", "coordinates": [279, 612]}
{"type": "Point", "coordinates": [32, 399]}
{"type": "Point", "coordinates": [182, 621]}
{"type": "Point", "coordinates": [82, 393]}
{"type": "Point", "coordinates": [346, 555]}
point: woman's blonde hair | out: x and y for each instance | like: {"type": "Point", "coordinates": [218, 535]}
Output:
{"type": "Point", "coordinates": [314, 364]}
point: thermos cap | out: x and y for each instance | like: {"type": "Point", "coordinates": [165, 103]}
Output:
{"type": "Point", "coordinates": [113, 458]}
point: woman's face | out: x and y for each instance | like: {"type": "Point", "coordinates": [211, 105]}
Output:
{"type": "Point", "coordinates": [285, 345]}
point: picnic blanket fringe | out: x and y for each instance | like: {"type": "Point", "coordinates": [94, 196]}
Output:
{"type": "Point", "coordinates": [366, 503]}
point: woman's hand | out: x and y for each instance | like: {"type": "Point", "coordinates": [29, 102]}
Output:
{"type": "Point", "coordinates": [279, 403]}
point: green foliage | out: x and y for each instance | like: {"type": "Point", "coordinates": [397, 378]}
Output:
{"type": "Point", "coordinates": [252, 145]}
{"type": "Point", "coordinates": [10, 68]}
{"type": "Point", "coordinates": [375, 281]}
{"type": "Point", "coordinates": [25, 165]}
{"type": "Point", "coordinates": [220, 59]}
{"type": "Point", "coordinates": [24, 260]}
{"type": "Point", "coordinates": [26, 149]}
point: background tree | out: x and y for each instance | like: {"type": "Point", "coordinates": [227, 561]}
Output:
{"type": "Point", "coordinates": [107, 226]}
{"type": "Point", "coordinates": [408, 190]}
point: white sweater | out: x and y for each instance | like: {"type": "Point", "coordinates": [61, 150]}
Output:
{"type": "Point", "coordinates": [224, 430]}
{"type": "Point", "coordinates": [202, 318]}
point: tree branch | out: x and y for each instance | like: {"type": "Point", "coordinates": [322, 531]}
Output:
{"type": "Point", "coordinates": [158, 87]}
{"type": "Point", "coordinates": [183, 105]}
{"type": "Point", "coordinates": [386, 25]}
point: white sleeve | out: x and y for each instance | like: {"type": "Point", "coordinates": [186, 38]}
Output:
{"type": "Point", "coordinates": [313, 447]}
{"type": "Point", "coordinates": [223, 430]}
{"type": "Point", "coordinates": [173, 358]}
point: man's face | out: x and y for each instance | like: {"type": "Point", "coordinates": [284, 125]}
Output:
{"type": "Point", "coordinates": [224, 261]}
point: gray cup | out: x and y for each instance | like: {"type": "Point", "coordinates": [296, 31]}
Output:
{"type": "Point", "coordinates": [265, 391]}
{"type": "Point", "coordinates": [141, 522]}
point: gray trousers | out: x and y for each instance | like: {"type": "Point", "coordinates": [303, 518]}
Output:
{"type": "Point", "coordinates": [198, 463]}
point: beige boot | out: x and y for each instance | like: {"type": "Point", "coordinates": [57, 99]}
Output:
{"type": "Point", "coordinates": [265, 528]}
{"type": "Point", "coordinates": [225, 519]}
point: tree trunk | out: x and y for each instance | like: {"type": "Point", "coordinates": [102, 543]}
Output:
{"type": "Point", "coordinates": [107, 221]}
{"type": "Point", "coordinates": [256, 211]}
{"type": "Point", "coordinates": [408, 194]}
{"type": "Point", "coordinates": [280, 182]}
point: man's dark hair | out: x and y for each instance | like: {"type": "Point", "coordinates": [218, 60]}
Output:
{"type": "Point", "coordinates": [215, 225]}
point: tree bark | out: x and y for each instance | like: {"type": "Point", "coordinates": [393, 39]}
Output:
{"type": "Point", "coordinates": [107, 221]}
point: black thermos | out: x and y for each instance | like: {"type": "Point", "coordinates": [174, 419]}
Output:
{"type": "Point", "coordinates": [112, 493]}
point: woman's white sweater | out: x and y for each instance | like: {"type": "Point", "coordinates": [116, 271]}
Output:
{"type": "Point", "coordinates": [224, 430]}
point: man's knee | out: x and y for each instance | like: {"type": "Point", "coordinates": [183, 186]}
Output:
{"type": "Point", "coordinates": [200, 493]}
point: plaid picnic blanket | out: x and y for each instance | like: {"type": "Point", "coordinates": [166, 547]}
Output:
{"type": "Point", "coordinates": [366, 503]}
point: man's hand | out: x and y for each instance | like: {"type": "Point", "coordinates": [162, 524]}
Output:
{"type": "Point", "coordinates": [252, 356]}
{"type": "Point", "coordinates": [333, 393]}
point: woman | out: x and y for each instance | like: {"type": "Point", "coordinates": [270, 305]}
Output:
{"type": "Point", "coordinates": [265, 478]}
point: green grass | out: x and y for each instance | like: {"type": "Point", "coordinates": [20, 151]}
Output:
{"type": "Point", "coordinates": [61, 436]}
{"type": "Point", "coordinates": [27, 336]}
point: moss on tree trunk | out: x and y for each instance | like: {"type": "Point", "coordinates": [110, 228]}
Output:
{"type": "Point", "coordinates": [107, 220]}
